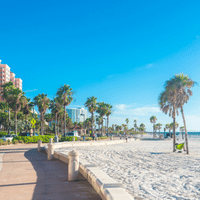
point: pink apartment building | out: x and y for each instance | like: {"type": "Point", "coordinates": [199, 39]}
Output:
{"type": "Point", "coordinates": [6, 75]}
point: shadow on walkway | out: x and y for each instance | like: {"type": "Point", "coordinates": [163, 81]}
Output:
{"type": "Point", "coordinates": [52, 183]}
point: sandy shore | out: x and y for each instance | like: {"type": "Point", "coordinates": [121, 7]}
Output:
{"type": "Point", "coordinates": [149, 169]}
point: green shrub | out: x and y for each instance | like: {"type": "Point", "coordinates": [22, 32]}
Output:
{"type": "Point", "coordinates": [33, 139]}
{"type": "Point", "coordinates": [88, 138]}
{"type": "Point", "coordinates": [1, 142]}
{"type": "Point", "coordinates": [103, 137]}
{"type": "Point", "coordinates": [68, 138]}
{"type": "Point", "coordinates": [21, 141]}
{"type": "Point", "coordinates": [3, 133]}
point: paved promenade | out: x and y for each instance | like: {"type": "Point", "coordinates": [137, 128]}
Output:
{"type": "Point", "coordinates": [26, 174]}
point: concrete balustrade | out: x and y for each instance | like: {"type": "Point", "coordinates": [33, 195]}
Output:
{"type": "Point", "coordinates": [39, 145]}
{"type": "Point", "coordinates": [50, 151]}
{"type": "Point", "coordinates": [105, 186]}
{"type": "Point", "coordinates": [73, 166]}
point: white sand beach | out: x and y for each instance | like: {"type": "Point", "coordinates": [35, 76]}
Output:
{"type": "Point", "coordinates": [149, 169]}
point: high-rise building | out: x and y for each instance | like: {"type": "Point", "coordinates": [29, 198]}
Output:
{"type": "Point", "coordinates": [6, 75]}
{"type": "Point", "coordinates": [77, 114]}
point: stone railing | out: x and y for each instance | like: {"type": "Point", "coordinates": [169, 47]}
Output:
{"type": "Point", "coordinates": [105, 186]}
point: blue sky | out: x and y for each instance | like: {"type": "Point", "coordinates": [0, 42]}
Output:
{"type": "Point", "coordinates": [122, 52]}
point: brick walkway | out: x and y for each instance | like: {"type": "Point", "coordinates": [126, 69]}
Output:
{"type": "Point", "coordinates": [26, 174]}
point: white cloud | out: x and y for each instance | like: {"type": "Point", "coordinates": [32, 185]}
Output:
{"type": "Point", "coordinates": [31, 90]}
{"type": "Point", "coordinates": [129, 110]}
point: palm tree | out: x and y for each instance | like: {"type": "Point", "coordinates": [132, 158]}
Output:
{"type": "Point", "coordinates": [135, 125]}
{"type": "Point", "coordinates": [88, 123]}
{"type": "Point", "coordinates": [65, 95]}
{"type": "Point", "coordinates": [153, 120]}
{"type": "Point", "coordinates": [182, 129]}
{"type": "Point", "coordinates": [166, 126]}
{"type": "Point", "coordinates": [42, 103]}
{"type": "Point", "coordinates": [102, 110]}
{"type": "Point", "coordinates": [109, 112]}
{"type": "Point", "coordinates": [142, 128]}
{"type": "Point", "coordinates": [159, 126]}
{"type": "Point", "coordinates": [26, 108]}
{"type": "Point", "coordinates": [48, 118]}
{"type": "Point", "coordinates": [168, 104]}
{"type": "Point", "coordinates": [127, 121]}
{"type": "Point", "coordinates": [155, 127]}
{"type": "Point", "coordinates": [55, 107]}
{"type": "Point", "coordinates": [91, 104]}
{"type": "Point", "coordinates": [99, 121]}
{"type": "Point", "coordinates": [181, 85]}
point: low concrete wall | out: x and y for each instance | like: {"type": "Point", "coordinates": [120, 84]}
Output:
{"type": "Point", "coordinates": [105, 186]}
{"type": "Point", "coordinates": [89, 143]}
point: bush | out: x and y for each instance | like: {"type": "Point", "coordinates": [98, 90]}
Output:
{"type": "Point", "coordinates": [1, 142]}
{"type": "Point", "coordinates": [88, 138]}
{"type": "Point", "coordinates": [103, 137]}
{"type": "Point", "coordinates": [3, 133]}
{"type": "Point", "coordinates": [21, 141]}
{"type": "Point", "coordinates": [33, 139]}
{"type": "Point", "coordinates": [68, 138]}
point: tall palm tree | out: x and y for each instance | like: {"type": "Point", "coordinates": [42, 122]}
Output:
{"type": "Point", "coordinates": [168, 104]}
{"type": "Point", "coordinates": [42, 102]}
{"type": "Point", "coordinates": [102, 110]}
{"type": "Point", "coordinates": [65, 94]}
{"type": "Point", "coordinates": [181, 85]}
{"type": "Point", "coordinates": [91, 104]}
{"type": "Point", "coordinates": [127, 121]}
{"type": "Point", "coordinates": [159, 127]}
{"type": "Point", "coordinates": [109, 112]}
{"type": "Point", "coordinates": [153, 120]}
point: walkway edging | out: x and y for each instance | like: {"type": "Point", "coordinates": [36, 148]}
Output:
{"type": "Point", "coordinates": [105, 186]}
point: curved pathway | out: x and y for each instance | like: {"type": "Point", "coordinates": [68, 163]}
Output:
{"type": "Point", "coordinates": [26, 174]}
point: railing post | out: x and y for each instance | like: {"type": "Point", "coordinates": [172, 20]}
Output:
{"type": "Point", "coordinates": [73, 166]}
{"type": "Point", "coordinates": [50, 151]}
{"type": "Point", "coordinates": [39, 145]}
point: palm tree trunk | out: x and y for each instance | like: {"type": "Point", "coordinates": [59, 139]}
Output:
{"type": "Point", "coordinates": [153, 131]}
{"type": "Point", "coordinates": [107, 123]}
{"type": "Point", "coordinates": [186, 138]}
{"type": "Point", "coordinates": [42, 125]}
{"type": "Point", "coordinates": [174, 133]}
{"type": "Point", "coordinates": [55, 122]}
{"type": "Point", "coordinates": [99, 128]}
{"type": "Point", "coordinates": [102, 128]}
{"type": "Point", "coordinates": [58, 126]}
{"type": "Point", "coordinates": [15, 123]}
{"type": "Point", "coordinates": [92, 122]}
{"type": "Point", "coordinates": [26, 122]}
{"type": "Point", "coordinates": [64, 121]}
